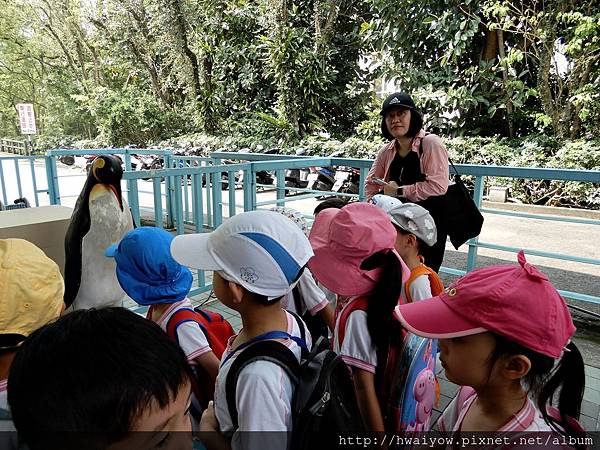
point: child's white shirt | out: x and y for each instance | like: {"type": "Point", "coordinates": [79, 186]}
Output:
{"type": "Point", "coordinates": [358, 349]}
{"type": "Point", "coordinates": [420, 288]}
{"type": "Point", "coordinates": [263, 397]}
{"type": "Point", "coordinates": [190, 336]}
{"type": "Point", "coordinates": [528, 419]}
{"type": "Point", "coordinates": [313, 298]}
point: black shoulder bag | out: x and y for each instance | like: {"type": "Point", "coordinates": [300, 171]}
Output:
{"type": "Point", "coordinates": [462, 217]}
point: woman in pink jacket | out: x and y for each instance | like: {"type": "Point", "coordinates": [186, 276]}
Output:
{"type": "Point", "coordinates": [413, 165]}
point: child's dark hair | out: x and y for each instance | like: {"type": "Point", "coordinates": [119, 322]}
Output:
{"type": "Point", "coordinates": [265, 301]}
{"type": "Point", "coordinates": [82, 381]}
{"type": "Point", "coordinates": [384, 297]}
{"type": "Point", "coordinates": [334, 202]}
{"type": "Point", "coordinates": [544, 380]}
{"type": "Point", "coordinates": [420, 243]}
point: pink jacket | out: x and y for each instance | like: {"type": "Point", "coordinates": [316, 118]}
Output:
{"type": "Point", "coordinates": [434, 164]}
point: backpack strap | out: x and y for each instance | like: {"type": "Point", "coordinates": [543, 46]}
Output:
{"type": "Point", "coordinates": [266, 350]}
{"type": "Point", "coordinates": [434, 281]}
{"type": "Point", "coordinates": [180, 317]}
{"type": "Point", "coordinates": [297, 299]}
{"type": "Point", "coordinates": [358, 304]}
{"type": "Point", "coordinates": [301, 325]}
{"type": "Point", "coordinates": [421, 146]}
{"type": "Point", "coordinates": [449, 160]}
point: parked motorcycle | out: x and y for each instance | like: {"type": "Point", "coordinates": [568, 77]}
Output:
{"type": "Point", "coordinates": [347, 180]}
{"type": "Point", "coordinates": [321, 178]}
{"type": "Point", "coordinates": [267, 176]}
{"type": "Point", "coordinates": [297, 178]}
{"type": "Point", "coordinates": [67, 160]}
{"type": "Point", "coordinates": [19, 203]}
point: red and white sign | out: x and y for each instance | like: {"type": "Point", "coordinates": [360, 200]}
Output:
{"type": "Point", "coordinates": [27, 118]}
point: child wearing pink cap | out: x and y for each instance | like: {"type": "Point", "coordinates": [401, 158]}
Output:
{"type": "Point", "coordinates": [355, 258]}
{"type": "Point", "coordinates": [500, 330]}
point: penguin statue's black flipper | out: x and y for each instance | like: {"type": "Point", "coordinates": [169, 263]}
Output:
{"type": "Point", "coordinates": [79, 226]}
{"type": "Point", "coordinates": [101, 217]}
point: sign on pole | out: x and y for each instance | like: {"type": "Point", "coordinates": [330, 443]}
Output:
{"type": "Point", "coordinates": [27, 118]}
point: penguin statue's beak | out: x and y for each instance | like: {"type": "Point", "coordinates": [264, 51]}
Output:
{"type": "Point", "coordinates": [107, 181]}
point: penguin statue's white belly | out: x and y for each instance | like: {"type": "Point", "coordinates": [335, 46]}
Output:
{"type": "Point", "coordinates": [108, 223]}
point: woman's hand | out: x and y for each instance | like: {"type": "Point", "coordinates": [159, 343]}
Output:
{"type": "Point", "coordinates": [391, 188]}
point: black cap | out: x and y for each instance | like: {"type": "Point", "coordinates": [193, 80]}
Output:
{"type": "Point", "coordinates": [397, 99]}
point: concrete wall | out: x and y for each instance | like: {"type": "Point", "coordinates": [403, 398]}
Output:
{"type": "Point", "coordinates": [45, 226]}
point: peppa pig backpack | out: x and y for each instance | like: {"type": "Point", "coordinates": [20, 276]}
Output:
{"type": "Point", "coordinates": [405, 377]}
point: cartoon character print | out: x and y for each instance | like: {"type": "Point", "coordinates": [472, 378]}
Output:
{"type": "Point", "coordinates": [424, 393]}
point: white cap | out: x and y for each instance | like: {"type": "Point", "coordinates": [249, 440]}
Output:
{"type": "Point", "coordinates": [385, 202]}
{"type": "Point", "coordinates": [263, 251]}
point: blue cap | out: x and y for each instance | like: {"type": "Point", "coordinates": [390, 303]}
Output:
{"type": "Point", "coordinates": [146, 270]}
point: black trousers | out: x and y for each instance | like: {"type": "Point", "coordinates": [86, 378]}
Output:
{"type": "Point", "coordinates": [434, 255]}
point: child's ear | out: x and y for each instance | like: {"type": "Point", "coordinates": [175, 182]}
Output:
{"type": "Point", "coordinates": [412, 240]}
{"type": "Point", "coordinates": [516, 367]}
{"type": "Point", "coordinates": [237, 292]}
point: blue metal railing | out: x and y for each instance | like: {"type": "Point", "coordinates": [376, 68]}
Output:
{"type": "Point", "coordinates": [191, 190]}
{"type": "Point", "coordinates": [12, 184]}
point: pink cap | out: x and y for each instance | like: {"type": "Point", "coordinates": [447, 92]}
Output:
{"type": "Point", "coordinates": [514, 301]}
{"type": "Point", "coordinates": [342, 239]}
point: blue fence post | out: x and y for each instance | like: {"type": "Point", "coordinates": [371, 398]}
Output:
{"type": "Point", "coordinates": [247, 187]}
{"type": "Point", "coordinates": [2, 183]}
{"type": "Point", "coordinates": [477, 197]}
{"type": "Point", "coordinates": [158, 215]}
{"type": "Point", "coordinates": [362, 196]}
{"type": "Point", "coordinates": [217, 187]}
{"type": "Point", "coordinates": [52, 177]}
{"type": "Point", "coordinates": [169, 189]}
{"type": "Point", "coordinates": [18, 173]}
{"type": "Point", "coordinates": [180, 226]}
{"type": "Point", "coordinates": [198, 209]}
{"type": "Point", "coordinates": [34, 181]}
{"type": "Point", "coordinates": [253, 188]}
{"type": "Point", "coordinates": [132, 192]}
{"type": "Point", "coordinates": [280, 187]}
{"type": "Point", "coordinates": [232, 186]}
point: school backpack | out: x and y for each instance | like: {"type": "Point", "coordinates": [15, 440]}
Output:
{"type": "Point", "coordinates": [316, 324]}
{"type": "Point", "coordinates": [437, 287]}
{"type": "Point", "coordinates": [217, 331]}
{"type": "Point", "coordinates": [405, 376]}
{"type": "Point", "coordinates": [324, 405]}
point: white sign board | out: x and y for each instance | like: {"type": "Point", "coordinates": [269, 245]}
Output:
{"type": "Point", "coordinates": [27, 118]}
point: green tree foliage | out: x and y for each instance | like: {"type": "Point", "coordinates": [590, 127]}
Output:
{"type": "Point", "coordinates": [494, 67]}
{"type": "Point", "coordinates": [132, 71]}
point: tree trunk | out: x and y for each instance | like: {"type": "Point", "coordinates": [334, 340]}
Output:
{"type": "Point", "coordinates": [183, 38]}
{"type": "Point", "coordinates": [550, 105]}
{"type": "Point", "coordinates": [491, 45]}
{"type": "Point", "coordinates": [509, 105]}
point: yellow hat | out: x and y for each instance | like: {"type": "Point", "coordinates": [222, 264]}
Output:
{"type": "Point", "coordinates": [31, 288]}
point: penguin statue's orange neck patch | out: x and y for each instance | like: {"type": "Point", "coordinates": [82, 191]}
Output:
{"type": "Point", "coordinates": [101, 188]}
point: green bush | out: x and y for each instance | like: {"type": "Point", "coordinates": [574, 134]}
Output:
{"type": "Point", "coordinates": [532, 151]}
{"type": "Point", "coordinates": [255, 133]}
{"type": "Point", "coordinates": [131, 116]}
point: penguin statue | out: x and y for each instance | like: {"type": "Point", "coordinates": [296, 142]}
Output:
{"type": "Point", "coordinates": [101, 217]}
